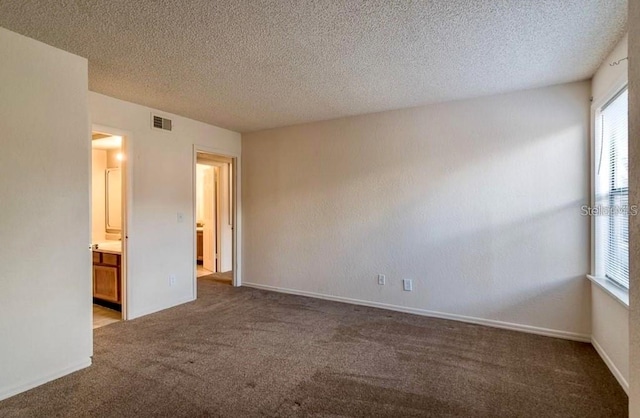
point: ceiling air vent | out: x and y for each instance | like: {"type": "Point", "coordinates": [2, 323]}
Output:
{"type": "Point", "coordinates": [158, 122]}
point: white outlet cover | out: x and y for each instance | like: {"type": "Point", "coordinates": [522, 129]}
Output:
{"type": "Point", "coordinates": [382, 280]}
{"type": "Point", "coordinates": [407, 285]}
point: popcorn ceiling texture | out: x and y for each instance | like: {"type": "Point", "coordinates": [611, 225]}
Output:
{"type": "Point", "coordinates": [248, 65]}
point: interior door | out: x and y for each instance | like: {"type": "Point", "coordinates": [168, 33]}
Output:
{"type": "Point", "coordinates": [216, 217]}
{"type": "Point", "coordinates": [208, 229]}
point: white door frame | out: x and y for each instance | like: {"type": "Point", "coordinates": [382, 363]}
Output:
{"type": "Point", "coordinates": [127, 207]}
{"type": "Point", "coordinates": [236, 201]}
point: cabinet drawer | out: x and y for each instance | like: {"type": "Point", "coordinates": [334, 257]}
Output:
{"type": "Point", "coordinates": [111, 259]}
{"type": "Point", "coordinates": [96, 257]}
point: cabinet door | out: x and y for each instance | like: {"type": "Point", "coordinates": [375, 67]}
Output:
{"type": "Point", "coordinates": [106, 283]}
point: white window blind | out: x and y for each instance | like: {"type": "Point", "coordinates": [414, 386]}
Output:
{"type": "Point", "coordinates": [612, 191]}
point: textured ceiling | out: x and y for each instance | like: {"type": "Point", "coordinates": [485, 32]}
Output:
{"type": "Point", "coordinates": [248, 65]}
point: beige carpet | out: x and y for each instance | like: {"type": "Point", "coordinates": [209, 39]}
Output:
{"type": "Point", "coordinates": [226, 277]}
{"type": "Point", "coordinates": [244, 352]}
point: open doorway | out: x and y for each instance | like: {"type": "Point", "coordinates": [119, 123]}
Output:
{"type": "Point", "coordinates": [108, 225]}
{"type": "Point", "coordinates": [214, 214]}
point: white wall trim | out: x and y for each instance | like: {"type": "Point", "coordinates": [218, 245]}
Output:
{"type": "Point", "coordinates": [45, 379]}
{"type": "Point", "coordinates": [434, 314]}
{"type": "Point", "coordinates": [610, 364]}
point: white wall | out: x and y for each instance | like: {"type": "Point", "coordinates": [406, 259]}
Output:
{"type": "Point", "coordinates": [634, 198]}
{"type": "Point", "coordinates": [610, 333]}
{"type": "Point", "coordinates": [98, 193]}
{"type": "Point", "coordinates": [610, 320]}
{"type": "Point", "coordinates": [607, 75]}
{"type": "Point", "coordinates": [45, 262]}
{"type": "Point", "coordinates": [162, 186]}
{"type": "Point", "coordinates": [477, 201]}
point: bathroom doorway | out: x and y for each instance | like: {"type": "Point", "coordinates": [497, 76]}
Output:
{"type": "Point", "coordinates": [215, 216]}
{"type": "Point", "coordinates": [108, 227]}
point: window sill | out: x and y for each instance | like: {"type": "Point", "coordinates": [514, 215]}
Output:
{"type": "Point", "coordinates": [617, 293]}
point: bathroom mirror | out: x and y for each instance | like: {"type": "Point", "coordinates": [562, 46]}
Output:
{"type": "Point", "coordinates": [113, 199]}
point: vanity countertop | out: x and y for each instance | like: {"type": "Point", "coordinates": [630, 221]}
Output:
{"type": "Point", "coordinates": [111, 247]}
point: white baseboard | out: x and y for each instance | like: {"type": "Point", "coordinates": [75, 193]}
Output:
{"type": "Point", "coordinates": [41, 381]}
{"type": "Point", "coordinates": [434, 314]}
{"type": "Point", "coordinates": [607, 360]}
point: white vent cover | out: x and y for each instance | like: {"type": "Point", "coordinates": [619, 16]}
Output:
{"type": "Point", "coordinates": [158, 122]}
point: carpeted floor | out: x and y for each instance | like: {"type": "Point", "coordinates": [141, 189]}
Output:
{"type": "Point", "coordinates": [226, 277]}
{"type": "Point", "coordinates": [243, 352]}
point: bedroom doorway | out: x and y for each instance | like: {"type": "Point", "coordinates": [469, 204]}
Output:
{"type": "Point", "coordinates": [108, 230]}
{"type": "Point", "coordinates": [214, 212]}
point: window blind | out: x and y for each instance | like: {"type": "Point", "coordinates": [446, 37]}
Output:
{"type": "Point", "coordinates": [612, 190]}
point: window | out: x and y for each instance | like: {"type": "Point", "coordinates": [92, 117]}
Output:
{"type": "Point", "coordinates": [612, 190]}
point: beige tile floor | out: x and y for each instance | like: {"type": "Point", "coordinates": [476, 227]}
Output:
{"type": "Point", "coordinates": [103, 316]}
{"type": "Point", "coordinates": [203, 271]}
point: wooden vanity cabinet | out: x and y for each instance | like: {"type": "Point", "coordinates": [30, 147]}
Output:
{"type": "Point", "coordinates": [106, 277]}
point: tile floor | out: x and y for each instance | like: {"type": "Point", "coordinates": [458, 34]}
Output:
{"type": "Point", "coordinates": [203, 271]}
{"type": "Point", "coordinates": [104, 316]}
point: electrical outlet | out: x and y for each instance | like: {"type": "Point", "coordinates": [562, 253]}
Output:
{"type": "Point", "coordinates": [172, 279]}
{"type": "Point", "coordinates": [382, 280]}
{"type": "Point", "coordinates": [407, 285]}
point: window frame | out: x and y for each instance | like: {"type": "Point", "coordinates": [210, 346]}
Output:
{"type": "Point", "coordinates": [615, 89]}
